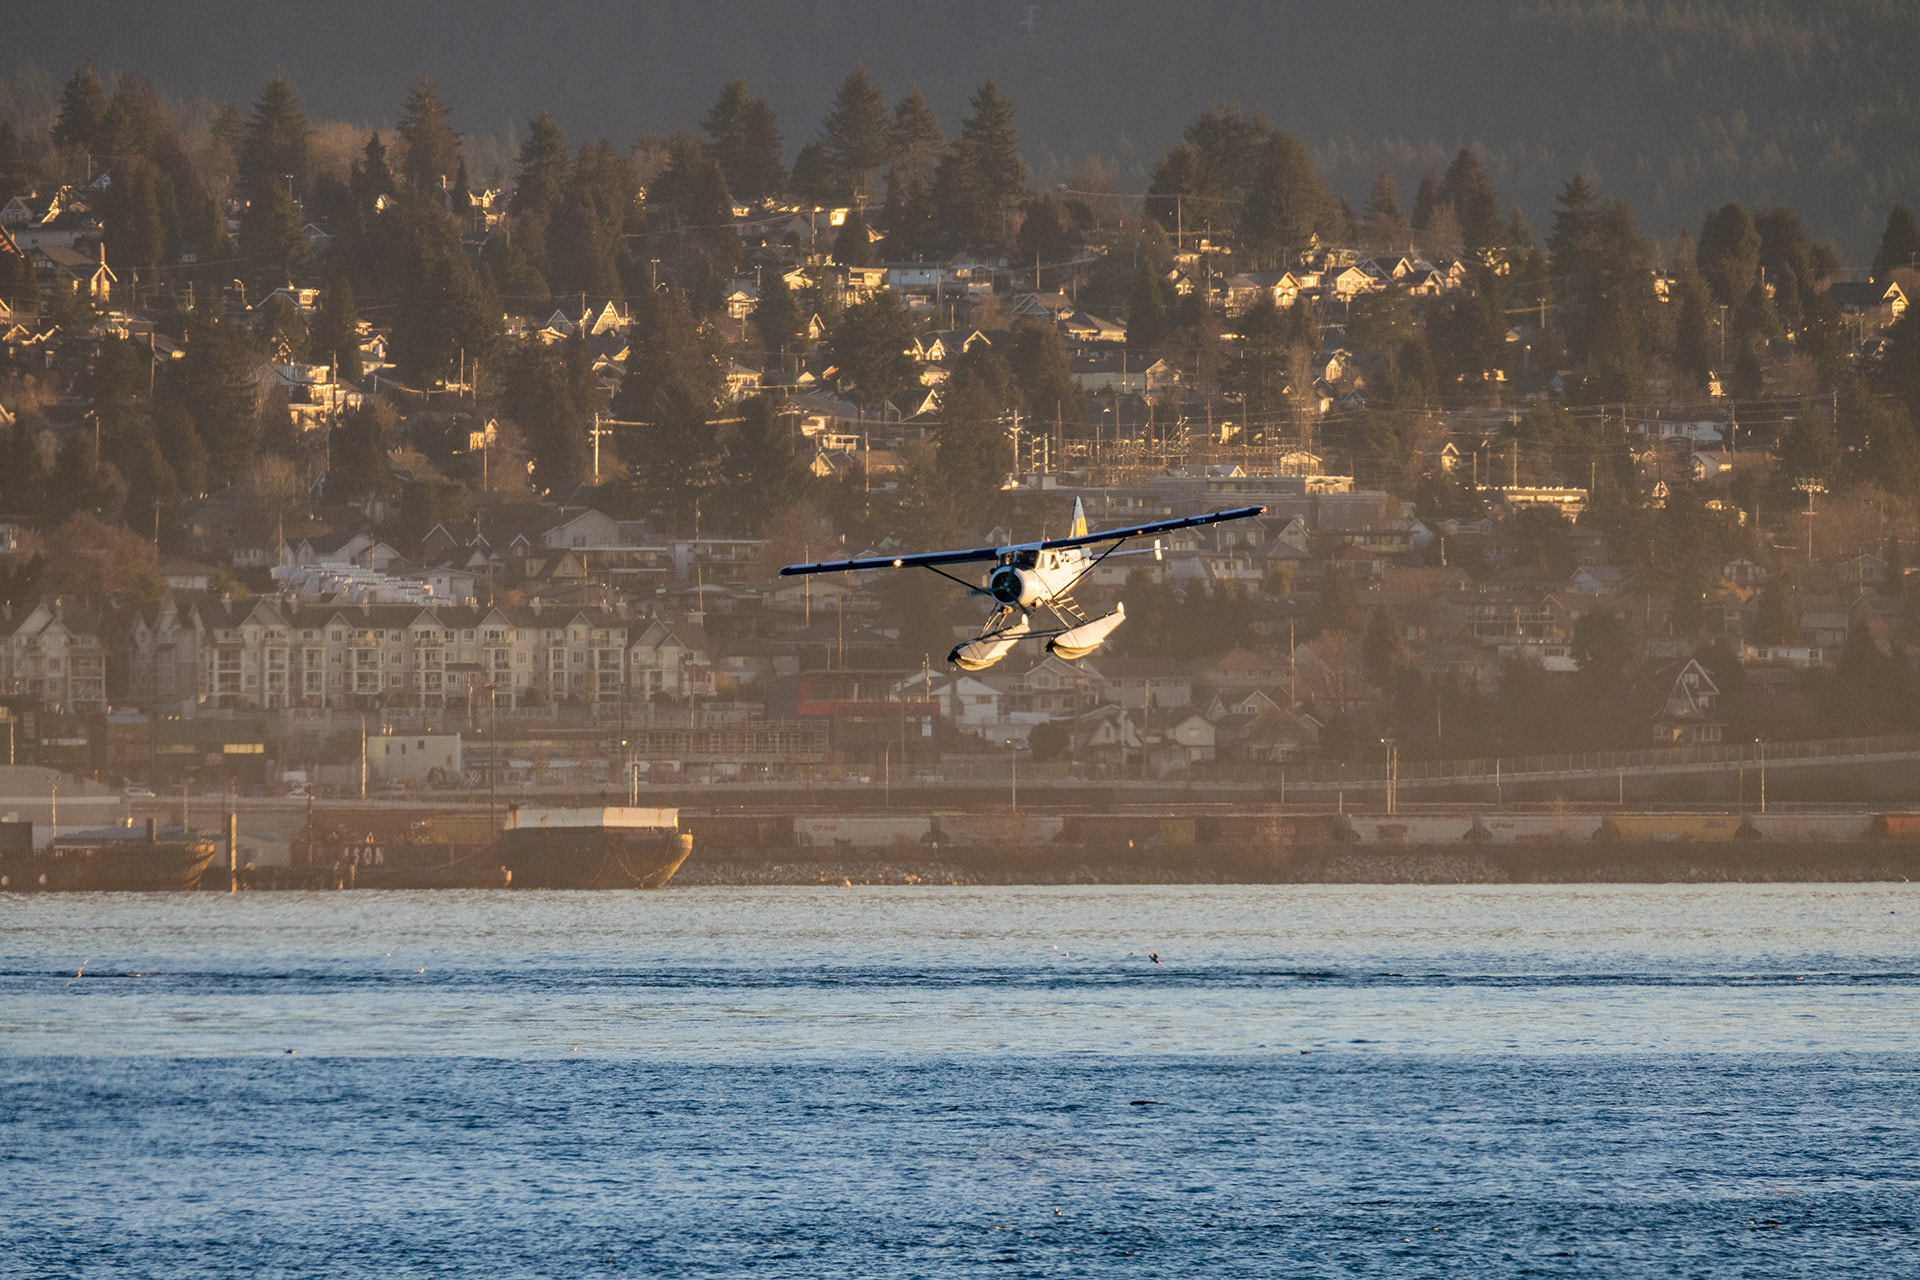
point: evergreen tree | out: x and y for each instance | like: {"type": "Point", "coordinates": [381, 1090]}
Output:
{"type": "Point", "coordinates": [853, 246]}
{"type": "Point", "coordinates": [776, 317]}
{"type": "Point", "coordinates": [690, 196]}
{"type": "Point", "coordinates": [856, 135]}
{"type": "Point", "coordinates": [1383, 227]}
{"type": "Point", "coordinates": [83, 109]}
{"type": "Point", "coordinates": [581, 256]}
{"type": "Point", "coordinates": [271, 242]}
{"type": "Point", "coordinates": [543, 168]}
{"type": "Point", "coordinates": [1148, 322]}
{"type": "Point", "coordinates": [433, 148]}
{"type": "Point", "coordinates": [1288, 205]}
{"type": "Point", "coordinates": [992, 148]}
{"type": "Point", "coordinates": [763, 468]}
{"type": "Point", "coordinates": [1336, 606]}
{"type": "Point", "coordinates": [1809, 450]}
{"type": "Point", "coordinates": [278, 142]}
{"type": "Point", "coordinates": [229, 129]}
{"type": "Point", "coordinates": [1385, 659]}
{"type": "Point", "coordinates": [1483, 232]}
{"type": "Point", "coordinates": [746, 143]}
{"type": "Point", "coordinates": [1876, 436]}
{"type": "Point", "coordinates": [912, 222]}
{"type": "Point", "coordinates": [1185, 191]}
{"type": "Point", "coordinates": [1043, 372]}
{"type": "Point", "coordinates": [917, 142]}
{"type": "Point", "coordinates": [371, 178]}
{"type": "Point", "coordinates": [23, 471]}
{"type": "Point", "coordinates": [444, 316]}
{"type": "Point", "coordinates": [1427, 201]}
{"type": "Point", "coordinates": [1693, 350]}
{"type": "Point", "coordinates": [357, 464]}
{"type": "Point", "coordinates": [181, 446]}
{"type": "Point", "coordinates": [1729, 253]}
{"type": "Point", "coordinates": [460, 199]}
{"type": "Point", "coordinates": [871, 347]}
{"type": "Point", "coordinates": [335, 339]}
{"type": "Point", "coordinates": [672, 384]}
{"type": "Point", "coordinates": [1044, 236]}
{"type": "Point", "coordinates": [1383, 201]}
{"type": "Point", "coordinates": [134, 235]}
{"type": "Point", "coordinates": [213, 384]}
{"type": "Point", "coordinates": [1899, 243]}
{"type": "Point", "coordinates": [813, 179]}
{"type": "Point", "coordinates": [551, 393]}
{"type": "Point", "coordinates": [974, 453]}
{"type": "Point", "coordinates": [963, 205]}
{"type": "Point", "coordinates": [15, 173]}
{"type": "Point", "coordinates": [1900, 366]}
{"type": "Point", "coordinates": [83, 481]}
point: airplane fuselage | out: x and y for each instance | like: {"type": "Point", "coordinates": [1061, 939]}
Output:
{"type": "Point", "coordinates": [1026, 577]}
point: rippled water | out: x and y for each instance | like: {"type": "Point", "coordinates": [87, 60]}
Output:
{"type": "Point", "coordinates": [1580, 1081]}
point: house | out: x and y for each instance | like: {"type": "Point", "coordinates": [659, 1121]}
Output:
{"type": "Point", "coordinates": [1880, 302]}
{"type": "Point", "coordinates": [1147, 684]}
{"type": "Point", "coordinates": [1176, 740]}
{"type": "Point", "coordinates": [582, 530]}
{"type": "Point", "coordinates": [1596, 579]}
{"type": "Point", "coordinates": [970, 705]}
{"type": "Point", "coordinates": [1742, 572]}
{"type": "Point", "coordinates": [58, 265]}
{"type": "Point", "coordinates": [1686, 714]}
{"type": "Point", "coordinates": [1269, 736]}
{"type": "Point", "coordinates": [673, 659]}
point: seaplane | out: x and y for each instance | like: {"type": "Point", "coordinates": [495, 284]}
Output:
{"type": "Point", "coordinates": [1030, 577]}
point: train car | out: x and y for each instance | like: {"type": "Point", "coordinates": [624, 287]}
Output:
{"type": "Point", "coordinates": [862, 831]}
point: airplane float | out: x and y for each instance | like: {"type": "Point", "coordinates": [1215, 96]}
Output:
{"type": "Point", "coordinates": [1033, 575]}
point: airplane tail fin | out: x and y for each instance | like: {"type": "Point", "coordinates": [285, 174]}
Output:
{"type": "Point", "coordinates": [1079, 529]}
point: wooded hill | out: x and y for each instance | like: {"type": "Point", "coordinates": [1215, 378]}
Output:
{"type": "Point", "coordinates": [1675, 107]}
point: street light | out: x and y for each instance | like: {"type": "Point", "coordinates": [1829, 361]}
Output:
{"type": "Point", "coordinates": [1013, 775]}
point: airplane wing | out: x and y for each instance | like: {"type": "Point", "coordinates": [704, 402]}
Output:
{"type": "Point", "coordinates": [1157, 526]}
{"type": "Point", "coordinates": [980, 554]}
{"type": "Point", "coordinates": [893, 562]}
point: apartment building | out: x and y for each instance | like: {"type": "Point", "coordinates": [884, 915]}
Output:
{"type": "Point", "coordinates": [53, 652]}
{"type": "Point", "coordinates": [274, 654]}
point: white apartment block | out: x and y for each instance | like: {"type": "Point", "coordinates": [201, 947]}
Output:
{"type": "Point", "coordinates": [52, 651]}
{"type": "Point", "coordinates": [273, 654]}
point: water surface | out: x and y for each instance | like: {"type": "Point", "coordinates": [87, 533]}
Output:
{"type": "Point", "coordinates": [1319, 1080]}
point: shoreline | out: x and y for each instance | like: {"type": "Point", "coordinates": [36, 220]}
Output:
{"type": "Point", "coordinates": [1664, 862]}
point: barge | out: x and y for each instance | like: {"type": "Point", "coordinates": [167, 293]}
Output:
{"type": "Point", "coordinates": [113, 858]}
{"type": "Point", "coordinates": [597, 848]}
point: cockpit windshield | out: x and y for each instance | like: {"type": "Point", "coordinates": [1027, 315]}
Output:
{"type": "Point", "coordinates": [1025, 559]}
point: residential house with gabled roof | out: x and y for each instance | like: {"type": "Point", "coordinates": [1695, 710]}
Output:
{"type": "Point", "coordinates": [671, 659]}
{"type": "Point", "coordinates": [1880, 302]}
{"type": "Point", "coordinates": [1687, 714]}
{"type": "Point", "coordinates": [1143, 684]}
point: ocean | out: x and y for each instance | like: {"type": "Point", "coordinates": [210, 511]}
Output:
{"type": "Point", "coordinates": [1671, 1080]}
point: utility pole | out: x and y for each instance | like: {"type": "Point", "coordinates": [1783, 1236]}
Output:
{"type": "Point", "coordinates": [1809, 486]}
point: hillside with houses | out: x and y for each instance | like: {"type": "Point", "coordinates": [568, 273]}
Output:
{"type": "Point", "coordinates": [304, 431]}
